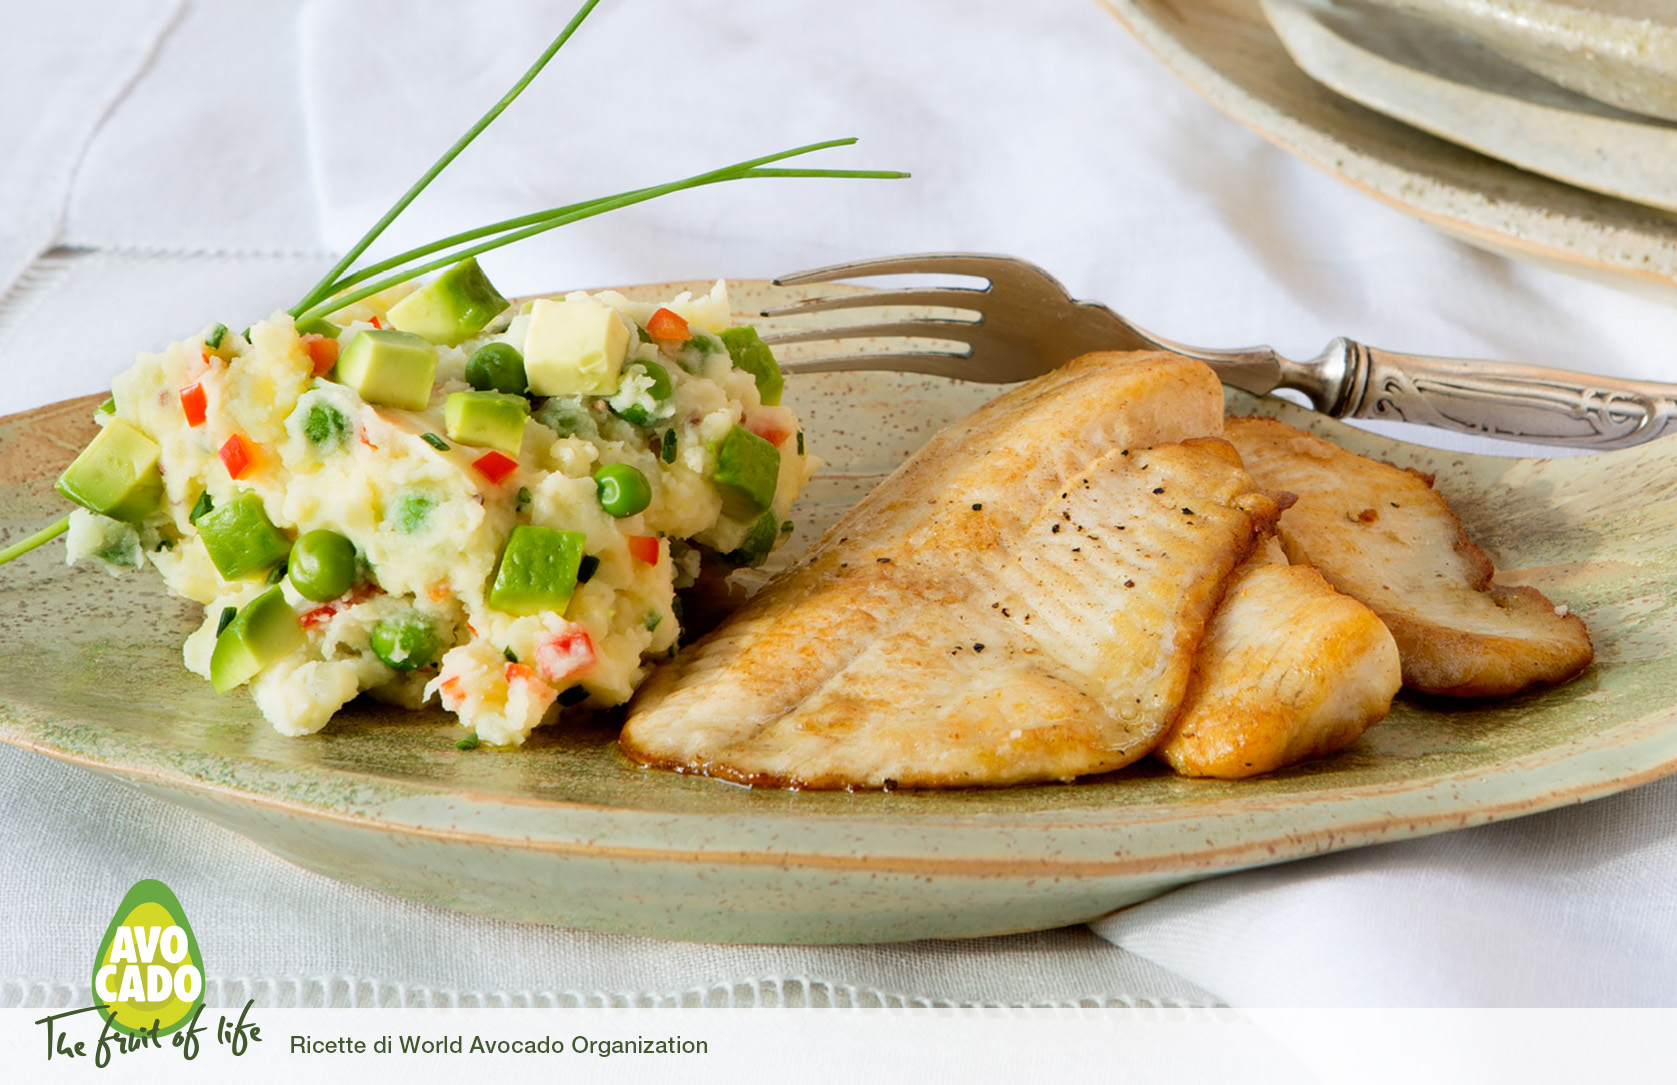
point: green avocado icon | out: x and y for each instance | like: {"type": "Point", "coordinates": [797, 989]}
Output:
{"type": "Point", "coordinates": [148, 976]}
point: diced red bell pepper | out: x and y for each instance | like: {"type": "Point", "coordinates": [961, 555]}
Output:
{"type": "Point", "coordinates": [237, 456]}
{"type": "Point", "coordinates": [376, 323]}
{"type": "Point", "coordinates": [194, 404]}
{"type": "Point", "coordinates": [770, 425]}
{"type": "Point", "coordinates": [561, 655]}
{"type": "Point", "coordinates": [319, 615]}
{"type": "Point", "coordinates": [495, 466]}
{"type": "Point", "coordinates": [453, 692]}
{"type": "Point", "coordinates": [667, 325]}
{"type": "Point", "coordinates": [323, 353]}
{"type": "Point", "coordinates": [324, 612]}
{"type": "Point", "coordinates": [644, 548]}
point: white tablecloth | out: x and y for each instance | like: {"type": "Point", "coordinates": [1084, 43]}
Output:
{"type": "Point", "coordinates": [191, 162]}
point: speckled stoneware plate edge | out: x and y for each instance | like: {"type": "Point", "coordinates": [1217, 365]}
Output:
{"type": "Point", "coordinates": [567, 831]}
{"type": "Point", "coordinates": [1226, 50]}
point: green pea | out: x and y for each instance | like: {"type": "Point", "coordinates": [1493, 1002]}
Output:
{"type": "Point", "coordinates": [404, 643]}
{"type": "Point", "coordinates": [624, 491]}
{"type": "Point", "coordinates": [497, 367]}
{"type": "Point", "coordinates": [661, 390]}
{"type": "Point", "coordinates": [322, 565]}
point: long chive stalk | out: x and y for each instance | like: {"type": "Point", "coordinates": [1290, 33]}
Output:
{"type": "Point", "coordinates": [511, 230]}
{"type": "Point", "coordinates": [45, 535]}
{"type": "Point", "coordinates": [575, 212]}
{"type": "Point", "coordinates": [324, 286]}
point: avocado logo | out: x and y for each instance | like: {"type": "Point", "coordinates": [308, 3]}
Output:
{"type": "Point", "coordinates": [148, 975]}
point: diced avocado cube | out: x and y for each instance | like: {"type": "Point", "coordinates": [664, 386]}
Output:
{"type": "Point", "coordinates": [240, 538]}
{"type": "Point", "coordinates": [575, 346]}
{"type": "Point", "coordinates": [538, 570]}
{"type": "Point", "coordinates": [486, 419]}
{"type": "Point", "coordinates": [318, 325]}
{"type": "Point", "coordinates": [751, 354]}
{"type": "Point", "coordinates": [116, 475]}
{"type": "Point", "coordinates": [748, 470]}
{"type": "Point", "coordinates": [265, 630]}
{"type": "Point", "coordinates": [391, 367]}
{"type": "Point", "coordinates": [452, 308]}
{"type": "Point", "coordinates": [758, 542]}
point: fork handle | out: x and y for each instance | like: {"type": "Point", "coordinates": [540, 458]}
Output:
{"type": "Point", "coordinates": [1495, 399]}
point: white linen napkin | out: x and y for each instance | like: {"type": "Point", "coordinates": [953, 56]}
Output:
{"type": "Point", "coordinates": [1575, 907]}
{"type": "Point", "coordinates": [62, 67]}
{"type": "Point", "coordinates": [206, 153]}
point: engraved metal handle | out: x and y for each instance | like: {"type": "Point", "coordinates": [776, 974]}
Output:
{"type": "Point", "coordinates": [1497, 399]}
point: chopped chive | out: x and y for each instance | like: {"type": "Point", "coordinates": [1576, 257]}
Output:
{"type": "Point", "coordinates": [523, 499]}
{"type": "Point", "coordinates": [226, 619]}
{"type": "Point", "coordinates": [667, 448]}
{"type": "Point", "coordinates": [800, 442]}
{"type": "Point", "coordinates": [218, 332]}
{"type": "Point", "coordinates": [276, 574]}
{"type": "Point", "coordinates": [586, 569]}
{"type": "Point", "coordinates": [107, 407]}
{"type": "Point", "coordinates": [573, 695]}
{"type": "Point", "coordinates": [512, 656]}
{"type": "Point", "coordinates": [204, 504]}
{"type": "Point", "coordinates": [470, 742]}
{"type": "Point", "coordinates": [787, 528]}
{"type": "Point", "coordinates": [652, 619]}
{"type": "Point", "coordinates": [676, 608]}
{"type": "Point", "coordinates": [434, 441]}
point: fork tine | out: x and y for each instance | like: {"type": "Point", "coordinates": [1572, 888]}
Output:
{"type": "Point", "coordinates": [930, 263]}
{"type": "Point", "coordinates": [931, 328]}
{"type": "Point", "coordinates": [954, 297]}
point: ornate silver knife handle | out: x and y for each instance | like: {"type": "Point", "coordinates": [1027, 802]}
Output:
{"type": "Point", "coordinates": [1494, 399]}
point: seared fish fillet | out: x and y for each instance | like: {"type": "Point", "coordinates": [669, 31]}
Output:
{"type": "Point", "coordinates": [1383, 535]}
{"type": "Point", "coordinates": [1290, 670]}
{"type": "Point", "coordinates": [1019, 602]}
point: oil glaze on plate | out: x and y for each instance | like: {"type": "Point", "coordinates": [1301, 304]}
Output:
{"type": "Point", "coordinates": [566, 830]}
{"type": "Point", "coordinates": [1228, 52]}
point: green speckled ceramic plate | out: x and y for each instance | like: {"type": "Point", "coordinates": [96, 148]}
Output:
{"type": "Point", "coordinates": [568, 831]}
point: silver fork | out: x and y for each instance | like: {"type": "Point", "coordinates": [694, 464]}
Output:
{"type": "Point", "coordinates": [1023, 323]}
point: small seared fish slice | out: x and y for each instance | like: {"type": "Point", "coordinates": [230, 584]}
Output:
{"type": "Point", "coordinates": [1031, 616]}
{"type": "Point", "coordinates": [1382, 535]}
{"type": "Point", "coordinates": [1290, 669]}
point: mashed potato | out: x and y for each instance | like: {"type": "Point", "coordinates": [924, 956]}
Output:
{"type": "Point", "coordinates": [429, 516]}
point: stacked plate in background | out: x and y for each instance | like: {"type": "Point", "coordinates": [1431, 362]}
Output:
{"type": "Point", "coordinates": [1542, 128]}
